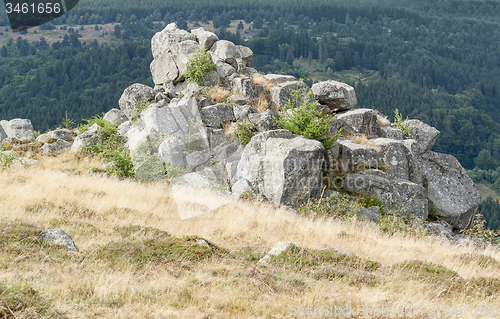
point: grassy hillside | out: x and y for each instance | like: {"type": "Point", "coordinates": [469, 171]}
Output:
{"type": "Point", "coordinates": [139, 259]}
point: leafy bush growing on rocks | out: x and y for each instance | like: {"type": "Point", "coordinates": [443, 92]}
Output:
{"type": "Point", "coordinates": [244, 131]}
{"type": "Point", "coordinates": [307, 120]}
{"type": "Point", "coordinates": [198, 65]}
{"type": "Point", "coordinates": [403, 125]}
{"type": "Point", "coordinates": [109, 146]}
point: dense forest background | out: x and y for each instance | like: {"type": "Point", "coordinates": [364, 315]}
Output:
{"type": "Point", "coordinates": [434, 60]}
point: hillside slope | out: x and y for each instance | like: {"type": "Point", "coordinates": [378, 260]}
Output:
{"type": "Point", "coordinates": [121, 273]}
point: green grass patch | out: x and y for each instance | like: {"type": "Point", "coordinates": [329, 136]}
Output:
{"type": "Point", "coordinates": [158, 251]}
{"type": "Point", "coordinates": [338, 205]}
{"type": "Point", "coordinates": [22, 301]}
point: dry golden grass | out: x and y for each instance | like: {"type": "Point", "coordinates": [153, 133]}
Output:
{"type": "Point", "coordinates": [262, 103]}
{"type": "Point", "coordinates": [382, 121]}
{"type": "Point", "coordinates": [364, 140]}
{"type": "Point", "coordinates": [58, 193]}
{"type": "Point", "coordinates": [218, 94]}
{"type": "Point", "coordinates": [259, 79]}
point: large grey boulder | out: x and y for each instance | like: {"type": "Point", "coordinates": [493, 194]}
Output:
{"type": "Point", "coordinates": [239, 57]}
{"type": "Point", "coordinates": [214, 115]}
{"type": "Point", "coordinates": [115, 116]}
{"type": "Point", "coordinates": [169, 36]}
{"type": "Point", "coordinates": [264, 121]}
{"type": "Point", "coordinates": [173, 151]}
{"type": "Point", "coordinates": [390, 132]}
{"type": "Point", "coordinates": [282, 93]}
{"type": "Point", "coordinates": [246, 55]}
{"type": "Point", "coordinates": [393, 155]}
{"type": "Point", "coordinates": [164, 69]}
{"type": "Point", "coordinates": [352, 157]}
{"type": "Point", "coordinates": [124, 128]}
{"type": "Point", "coordinates": [370, 214]}
{"type": "Point", "coordinates": [195, 180]}
{"type": "Point", "coordinates": [361, 121]}
{"type": "Point", "coordinates": [133, 95]}
{"type": "Point", "coordinates": [282, 166]}
{"type": "Point", "coordinates": [59, 134]}
{"type": "Point", "coordinates": [58, 147]}
{"type": "Point", "coordinates": [240, 187]}
{"type": "Point", "coordinates": [452, 195]}
{"type": "Point", "coordinates": [337, 95]}
{"type": "Point", "coordinates": [59, 237]}
{"type": "Point", "coordinates": [198, 158]}
{"type": "Point", "coordinates": [181, 53]}
{"type": "Point", "coordinates": [18, 129]}
{"type": "Point", "coordinates": [400, 195]}
{"type": "Point", "coordinates": [224, 70]}
{"type": "Point", "coordinates": [205, 38]}
{"type": "Point", "coordinates": [424, 134]}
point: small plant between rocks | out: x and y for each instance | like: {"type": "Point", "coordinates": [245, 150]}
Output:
{"type": "Point", "coordinates": [403, 125]}
{"type": "Point", "coordinates": [307, 120]}
{"type": "Point", "coordinates": [198, 65]}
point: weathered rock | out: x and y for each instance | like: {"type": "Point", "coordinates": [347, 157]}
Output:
{"type": "Point", "coordinates": [264, 121]}
{"type": "Point", "coordinates": [394, 156]}
{"type": "Point", "coordinates": [94, 128]}
{"type": "Point", "coordinates": [59, 237]}
{"type": "Point", "coordinates": [224, 70]}
{"type": "Point", "coordinates": [58, 147]}
{"type": "Point", "coordinates": [441, 228]}
{"type": "Point", "coordinates": [215, 136]}
{"type": "Point", "coordinates": [424, 134]}
{"type": "Point", "coordinates": [275, 79]}
{"type": "Point", "coordinates": [246, 87]}
{"type": "Point", "coordinates": [3, 135]}
{"type": "Point", "coordinates": [281, 165]}
{"type": "Point", "coordinates": [198, 158]}
{"type": "Point", "coordinates": [82, 140]}
{"type": "Point", "coordinates": [173, 151]}
{"type": "Point", "coordinates": [169, 89]}
{"type": "Point", "coordinates": [370, 214]}
{"type": "Point", "coordinates": [181, 53]}
{"type": "Point", "coordinates": [124, 128]}
{"type": "Point", "coordinates": [338, 96]}
{"type": "Point", "coordinates": [60, 134]}
{"type": "Point", "coordinates": [242, 111]}
{"type": "Point", "coordinates": [241, 187]}
{"type": "Point", "coordinates": [226, 51]}
{"type": "Point", "coordinates": [246, 55]}
{"type": "Point", "coordinates": [215, 114]}
{"type": "Point", "coordinates": [452, 195]}
{"type": "Point", "coordinates": [168, 37]}
{"type": "Point", "coordinates": [390, 132]}
{"type": "Point", "coordinates": [115, 116]}
{"type": "Point", "coordinates": [281, 94]}
{"type": "Point", "coordinates": [237, 99]}
{"type": "Point", "coordinates": [164, 69]}
{"type": "Point", "coordinates": [352, 157]}
{"type": "Point", "coordinates": [404, 196]}
{"type": "Point", "coordinates": [12, 153]}
{"type": "Point", "coordinates": [18, 129]}
{"type": "Point", "coordinates": [133, 95]}
{"type": "Point", "coordinates": [228, 152]}
{"type": "Point", "coordinates": [205, 38]}
{"type": "Point", "coordinates": [361, 121]}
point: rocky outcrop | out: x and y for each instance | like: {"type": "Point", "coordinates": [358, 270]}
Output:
{"type": "Point", "coordinates": [17, 130]}
{"type": "Point", "coordinates": [282, 166]}
{"type": "Point", "coordinates": [133, 95]}
{"type": "Point", "coordinates": [336, 95]}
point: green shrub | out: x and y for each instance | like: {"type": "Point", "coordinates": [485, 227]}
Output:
{"type": "Point", "coordinates": [139, 107]}
{"type": "Point", "coordinates": [479, 230]}
{"type": "Point", "coordinates": [403, 125]}
{"type": "Point", "coordinates": [198, 65]}
{"type": "Point", "coordinates": [6, 160]}
{"type": "Point", "coordinates": [307, 120]}
{"type": "Point", "coordinates": [109, 146]}
{"type": "Point", "coordinates": [244, 131]}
